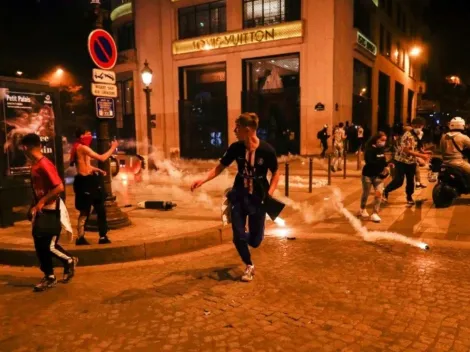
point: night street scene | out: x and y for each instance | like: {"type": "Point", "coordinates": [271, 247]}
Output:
{"type": "Point", "coordinates": [235, 175]}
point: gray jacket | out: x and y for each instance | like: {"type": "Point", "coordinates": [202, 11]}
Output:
{"type": "Point", "coordinates": [449, 151]}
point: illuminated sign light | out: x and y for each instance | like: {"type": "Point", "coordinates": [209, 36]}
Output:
{"type": "Point", "coordinates": [363, 41]}
{"type": "Point", "coordinates": [124, 9]}
{"type": "Point", "coordinates": [282, 31]}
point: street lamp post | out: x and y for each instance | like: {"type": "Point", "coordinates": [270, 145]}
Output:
{"type": "Point", "coordinates": [115, 217]}
{"type": "Point", "coordinates": [147, 76]}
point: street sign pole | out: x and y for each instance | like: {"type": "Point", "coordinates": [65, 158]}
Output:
{"type": "Point", "coordinates": [115, 217]}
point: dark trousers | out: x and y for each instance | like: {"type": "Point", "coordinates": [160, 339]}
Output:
{"type": "Point", "coordinates": [88, 193]}
{"type": "Point", "coordinates": [46, 248]}
{"type": "Point", "coordinates": [403, 170]}
{"type": "Point", "coordinates": [242, 239]}
{"type": "Point", "coordinates": [324, 145]}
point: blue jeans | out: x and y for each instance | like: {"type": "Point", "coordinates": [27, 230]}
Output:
{"type": "Point", "coordinates": [256, 220]}
{"type": "Point", "coordinates": [367, 184]}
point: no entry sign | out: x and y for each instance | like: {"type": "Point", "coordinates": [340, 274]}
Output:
{"type": "Point", "coordinates": [102, 49]}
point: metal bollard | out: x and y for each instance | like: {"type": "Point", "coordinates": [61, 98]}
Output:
{"type": "Point", "coordinates": [287, 180]}
{"type": "Point", "coordinates": [310, 175]}
{"type": "Point", "coordinates": [344, 164]}
{"type": "Point", "coordinates": [329, 169]}
{"type": "Point", "coordinates": [359, 160]}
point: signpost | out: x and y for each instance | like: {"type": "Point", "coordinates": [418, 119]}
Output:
{"type": "Point", "coordinates": [102, 49]}
{"type": "Point", "coordinates": [104, 90]}
{"type": "Point", "coordinates": [103, 52]}
{"type": "Point", "coordinates": [104, 76]}
{"type": "Point", "coordinates": [105, 108]}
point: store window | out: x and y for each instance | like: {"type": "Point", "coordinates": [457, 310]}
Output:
{"type": "Point", "coordinates": [362, 89]}
{"type": "Point", "coordinates": [209, 18]}
{"type": "Point", "coordinates": [386, 48]}
{"type": "Point", "coordinates": [126, 37]}
{"type": "Point", "coordinates": [399, 56]}
{"type": "Point", "coordinates": [268, 12]}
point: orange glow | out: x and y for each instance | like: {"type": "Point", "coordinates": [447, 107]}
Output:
{"type": "Point", "coordinates": [415, 51]}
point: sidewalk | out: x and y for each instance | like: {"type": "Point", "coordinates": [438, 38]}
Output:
{"type": "Point", "coordinates": [195, 223]}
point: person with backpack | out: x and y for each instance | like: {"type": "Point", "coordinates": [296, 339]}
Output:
{"type": "Point", "coordinates": [453, 144]}
{"type": "Point", "coordinates": [339, 138]}
{"type": "Point", "coordinates": [323, 136]}
{"type": "Point", "coordinates": [408, 150]}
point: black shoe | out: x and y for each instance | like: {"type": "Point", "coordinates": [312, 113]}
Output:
{"type": "Point", "coordinates": [410, 201]}
{"type": "Point", "coordinates": [46, 283]}
{"type": "Point", "coordinates": [420, 185]}
{"type": "Point", "coordinates": [69, 270]}
{"type": "Point", "coordinates": [104, 240]}
{"type": "Point", "coordinates": [81, 241]}
{"type": "Point", "coordinates": [385, 197]}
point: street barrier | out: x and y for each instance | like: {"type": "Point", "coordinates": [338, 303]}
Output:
{"type": "Point", "coordinates": [310, 175]}
{"type": "Point", "coordinates": [287, 180]}
{"type": "Point", "coordinates": [329, 169]}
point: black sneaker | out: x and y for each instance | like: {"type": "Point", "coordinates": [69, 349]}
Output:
{"type": "Point", "coordinates": [69, 270]}
{"type": "Point", "coordinates": [104, 240]}
{"type": "Point", "coordinates": [81, 241]}
{"type": "Point", "coordinates": [385, 197]}
{"type": "Point", "coordinates": [46, 283]}
{"type": "Point", "coordinates": [420, 186]}
{"type": "Point", "coordinates": [410, 201]}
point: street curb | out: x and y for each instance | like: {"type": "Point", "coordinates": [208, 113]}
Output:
{"type": "Point", "coordinates": [116, 253]}
{"type": "Point", "coordinates": [133, 251]}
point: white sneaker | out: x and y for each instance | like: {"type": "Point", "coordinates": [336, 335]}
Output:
{"type": "Point", "coordinates": [363, 213]}
{"type": "Point", "coordinates": [249, 273]}
{"type": "Point", "coordinates": [375, 218]}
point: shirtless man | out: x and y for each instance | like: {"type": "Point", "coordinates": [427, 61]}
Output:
{"type": "Point", "coordinates": [87, 185]}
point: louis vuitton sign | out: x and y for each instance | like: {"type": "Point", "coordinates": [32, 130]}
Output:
{"type": "Point", "coordinates": [233, 39]}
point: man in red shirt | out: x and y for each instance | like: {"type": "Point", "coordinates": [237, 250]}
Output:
{"type": "Point", "coordinates": [45, 214]}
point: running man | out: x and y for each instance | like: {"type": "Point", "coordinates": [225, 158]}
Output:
{"type": "Point", "coordinates": [254, 158]}
{"type": "Point", "coordinates": [87, 185]}
{"type": "Point", "coordinates": [45, 214]}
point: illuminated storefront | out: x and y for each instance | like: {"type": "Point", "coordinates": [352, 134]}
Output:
{"type": "Point", "coordinates": [279, 58]}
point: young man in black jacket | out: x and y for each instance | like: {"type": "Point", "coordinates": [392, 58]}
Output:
{"type": "Point", "coordinates": [254, 158]}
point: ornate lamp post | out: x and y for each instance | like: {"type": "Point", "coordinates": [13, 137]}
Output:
{"type": "Point", "coordinates": [147, 76]}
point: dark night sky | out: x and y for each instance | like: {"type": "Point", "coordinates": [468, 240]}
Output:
{"type": "Point", "coordinates": [38, 35]}
{"type": "Point", "coordinates": [449, 46]}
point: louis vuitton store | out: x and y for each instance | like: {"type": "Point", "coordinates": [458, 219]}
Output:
{"type": "Point", "coordinates": [214, 59]}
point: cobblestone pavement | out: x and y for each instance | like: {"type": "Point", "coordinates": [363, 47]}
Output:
{"type": "Point", "coordinates": [308, 295]}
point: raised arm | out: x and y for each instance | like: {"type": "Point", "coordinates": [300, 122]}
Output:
{"type": "Point", "coordinates": [100, 157]}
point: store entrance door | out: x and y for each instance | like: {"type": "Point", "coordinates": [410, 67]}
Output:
{"type": "Point", "coordinates": [271, 88]}
{"type": "Point", "coordinates": [203, 111]}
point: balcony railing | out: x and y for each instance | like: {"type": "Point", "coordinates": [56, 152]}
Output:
{"type": "Point", "coordinates": [120, 8]}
